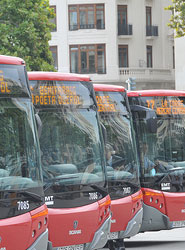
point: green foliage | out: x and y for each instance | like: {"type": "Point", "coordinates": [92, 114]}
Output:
{"type": "Point", "coordinates": [25, 30]}
{"type": "Point", "coordinates": [177, 21]}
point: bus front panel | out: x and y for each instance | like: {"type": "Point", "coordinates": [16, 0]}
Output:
{"type": "Point", "coordinates": [21, 188]}
{"type": "Point", "coordinates": [121, 163]}
{"type": "Point", "coordinates": [159, 124]}
{"type": "Point", "coordinates": [73, 163]}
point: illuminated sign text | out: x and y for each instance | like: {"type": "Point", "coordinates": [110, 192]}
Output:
{"type": "Point", "coordinates": [52, 95]}
{"type": "Point", "coordinates": [104, 104]}
{"type": "Point", "coordinates": [3, 85]}
{"type": "Point", "coordinates": [167, 107]}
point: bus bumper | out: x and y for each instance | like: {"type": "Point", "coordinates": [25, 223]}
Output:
{"type": "Point", "coordinates": [100, 237]}
{"type": "Point", "coordinates": [41, 242]}
{"type": "Point", "coordinates": [99, 240]}
{"type": "Point", "coordinates": [133, 226]}
{"type": "Point", "coordinates": [154, 220]}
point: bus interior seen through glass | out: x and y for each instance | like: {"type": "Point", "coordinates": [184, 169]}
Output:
{"type": "Point", "coordinates": [70, 141]}
{"type": "Point", "coordinates": [121, 159]}
{"type": "Point", "coordinates": [19, 166]}
{"type": "Point", "coordinates": [166, 145]}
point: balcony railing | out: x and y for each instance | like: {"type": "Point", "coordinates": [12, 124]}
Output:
{"type": "Point", "coordinates": [73, 27]}
{"type": "Point", "coordinates": [147, 74]}
{"type": "Point", "coordinates": [99, 25]}
{"type": "Point", "coordinates": [151, 30]}
{"type": "Point", "coordinates": [125, 29]}
{"type": "Point", "coordinates": [99, 70]}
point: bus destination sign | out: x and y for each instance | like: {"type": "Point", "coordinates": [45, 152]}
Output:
{"type": "Point", "coordinates": [4, 88]}
{"type": "Point", "coordinates": [167, 106]}
{"type": "Point", "coordinates": [46, 95]}
{"type": "Point", "coordinates": [105, 104]}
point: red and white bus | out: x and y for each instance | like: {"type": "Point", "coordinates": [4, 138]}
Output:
{"type": "Point", "coordinates": [159, 118]}
{"type": "Point", "coordinates": [72, 159]}
{"type": "Point", "coordinates": [23, 213]}
{"type": "Point", "coordinates": [121, 163]}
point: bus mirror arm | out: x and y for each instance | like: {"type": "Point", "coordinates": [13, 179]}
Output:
{"type": "Point", "coordinates": [39, 124]}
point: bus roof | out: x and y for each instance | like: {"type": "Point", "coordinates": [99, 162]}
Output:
{"type": "Point", "coordinates": [156, 92]}
{"type": "Point", "coordinates": [11, 60]}
{"type": "Point", "coordinates": [107, 87]}
{"type": "Point", "coordinates": [57, 76]}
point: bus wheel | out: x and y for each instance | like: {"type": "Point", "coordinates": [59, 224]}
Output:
{"type": "Point", "coordinates": [116, 244]}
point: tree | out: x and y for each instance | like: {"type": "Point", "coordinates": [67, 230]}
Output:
{"type": "Point", "coordinates": [25, 30]}
{"type": "Point", "coordinates": [177, 21]}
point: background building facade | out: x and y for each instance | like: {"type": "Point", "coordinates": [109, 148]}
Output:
{"type": "Point", "coordinates": [113, 40]}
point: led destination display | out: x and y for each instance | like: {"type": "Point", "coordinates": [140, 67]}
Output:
{"type": "Point", "coordinates": [13, 81]}
{"type": "Point", "coordinates": [111, 102]}
{"type": "Point", "coordinates": [166, 106]}
{"type": "Point", "coordinates": [105, 104]}
{"type": "Point", "coordinates": [50, 93]}
{"type": "Point", "coordinates": [3, 84]}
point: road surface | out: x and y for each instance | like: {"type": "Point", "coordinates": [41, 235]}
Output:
{"type": "Point", "coordinates": [163, 240]}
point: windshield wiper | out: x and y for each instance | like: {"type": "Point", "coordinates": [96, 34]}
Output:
{"type": "Point", "coordinates": [33, 196]}
{"type": "Point", "coordinates": [128, 183]}
{"type": "Point", "coordinates": [168, 172]}
{"type": "Point", "coordinates": [102, 190]}
{"type": "Point", "coordinates": [175, 169]}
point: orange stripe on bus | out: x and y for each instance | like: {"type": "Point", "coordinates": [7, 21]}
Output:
{"type": "Point", "coordinates": [43, 213]}
{"type": "Point", "coordinates": [152, 194]}
{"type": "Point", "coordinates": [108, 202]}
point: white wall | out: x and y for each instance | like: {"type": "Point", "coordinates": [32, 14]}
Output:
{"type": "Point", "coordinates": [180, 63]}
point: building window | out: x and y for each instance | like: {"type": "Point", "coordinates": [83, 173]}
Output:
{"type": "Point", "coordinates": [122, 17]}
{"type": "Point", "coordinates": [89, 16]}
{"type": "Point", "coordinates": [173, 51]}
{"type": "Point", "coordinates": [150, 29]}
{"type": "Point", "coordinates": [54, 20]}
{"type": "Point", "coordinates": [123, 56]}
{"type": "Point", "coordinates": [123, 27]}
{"type": "Point", "coordinates": [148, 16]}
{"type": "Point", "coordinates": [54, 52]}
{"type": "Point", "coordinates": [149, 56]}
{"type": "Point", "coordinates": [88, 59]}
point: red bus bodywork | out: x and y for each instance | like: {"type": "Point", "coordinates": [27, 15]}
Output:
{"type": "Point", "coordinates": [11, 60]}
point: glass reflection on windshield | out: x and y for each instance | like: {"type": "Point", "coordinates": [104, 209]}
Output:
{"type": "Point", "coordinates": [121, 159]}
{"type": "Point", "coordinates": [19, 167]}
{"type": "Point", "coordinates": [71, 148]}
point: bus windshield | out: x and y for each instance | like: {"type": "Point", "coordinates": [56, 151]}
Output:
{"type": "Point", "coordinates": [70, 145]}
{"type": "Point", "coordinates": [20, 168]}
{"type": "Point", "coordinates": [162, 140]}
{"type": "Point", "coordinates": [13, 81]}
{"type": "Point", "coordinates": [70, 141]}
{"type": "Point", "coordinates": [121, 157]}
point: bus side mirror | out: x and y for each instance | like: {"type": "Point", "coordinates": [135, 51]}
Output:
{"type": "Point", "coordinates": [151, 121]}
{"type": "Point", "coordinates": [39, 124]}
{"type": "Point", "coordinates": [149, 116]}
